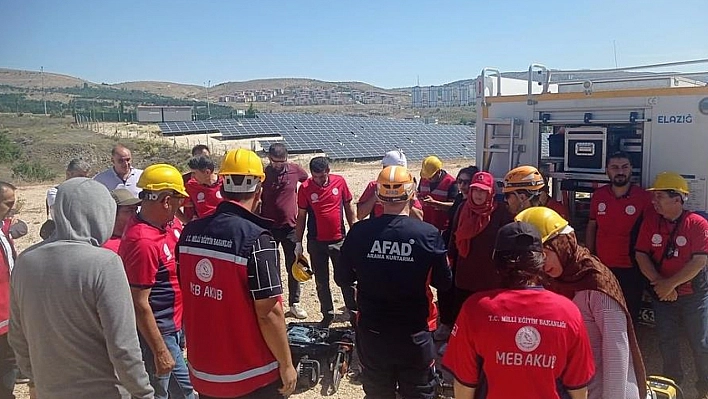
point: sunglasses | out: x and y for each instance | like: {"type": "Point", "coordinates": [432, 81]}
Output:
{"type": "Point", "coordinates": [464, 181]}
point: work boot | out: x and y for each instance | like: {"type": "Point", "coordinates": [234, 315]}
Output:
{"type": "Point", "coordinates": [327, 320]}
{"type": "Point", "coordinates": [297, 312]}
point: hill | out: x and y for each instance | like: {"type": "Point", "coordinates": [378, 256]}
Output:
{"type": "Point", "coordinates": [21, 92]}
{"type": "Point", "coordinates": [33, 79]}
{"type": "Point", "coordinates": [165, 89]}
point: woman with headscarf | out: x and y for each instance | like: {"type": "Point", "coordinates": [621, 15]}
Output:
{"type": "Point", "coordinates": [474, 230]}
{"type": "Point", "coordinates": [575, 273]}
{"type": "Point", "coordinates": [447, 305]}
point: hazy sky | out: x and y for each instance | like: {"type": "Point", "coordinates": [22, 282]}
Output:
{"type": "Point", "coordinates": [385, 43]}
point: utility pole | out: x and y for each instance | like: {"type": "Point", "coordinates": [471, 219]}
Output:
{"type": "Point", "coordinates": [207, 99]}
{"type": "Point", "coordinates": [44, 100]}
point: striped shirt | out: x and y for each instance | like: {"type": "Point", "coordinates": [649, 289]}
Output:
{"type": "Point", "coordinates": [606, 323]}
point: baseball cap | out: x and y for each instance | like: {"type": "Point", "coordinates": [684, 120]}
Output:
{"type": "Point", "coordinates": [518, 237]}
{"type": "Point", "coordinates": [124, 197]}
{"type": "Point", "coordinates": [394, 158]}
{"type": "Point", "coordinates": [483, 181]}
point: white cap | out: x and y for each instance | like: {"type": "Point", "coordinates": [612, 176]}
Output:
{"type": "Point", "coordinates": [394, 158]}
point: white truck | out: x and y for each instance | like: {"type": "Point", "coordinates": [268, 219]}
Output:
{"type": "Point", "coordinates": [568, 128]}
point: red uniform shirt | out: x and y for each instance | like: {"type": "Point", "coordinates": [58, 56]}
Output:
{"type": "Point", "coordinates": [524, 340]}
{"type": "Point", "coordinates": [690, 238]}
{"type": "Point", "coordinates": [325, 208]}
{"type": "Point", "coordinates": [113, 243]}
{"type": "Point", "coordinates": [378, 210]}
{"type": "Point", "coordinates": [204, 198]}
{"type": "Point", "coordinates": [148, 255]}
{"type": "Point", "coordinates": [187, 210]}
{"type": "Point", "coordinates": [278, 199]}
{"type": "Point", "coordinates": [615, 219]}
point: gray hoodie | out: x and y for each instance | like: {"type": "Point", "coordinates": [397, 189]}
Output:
{"type": "Point", "coordinates": [72, 323]}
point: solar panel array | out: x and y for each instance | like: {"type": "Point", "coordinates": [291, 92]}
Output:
{"type": "Point", "coordinates": [341, 137]}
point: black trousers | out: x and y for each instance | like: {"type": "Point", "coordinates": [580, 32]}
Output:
{"type": "Point", "coordinates": [320, 255]}
{"type": "Point", "coordinates": [396, 362]}
{"type": "Point", "coordinates": [269, 391]}
{"type": "Point", "coordinates": [632, 282]}
{"type": "Point", "coordinates": [8, 369]}
{"type": "Point", "coordinates": [446, 304]}
{"type": "Point", "coordinates": [285, 236]}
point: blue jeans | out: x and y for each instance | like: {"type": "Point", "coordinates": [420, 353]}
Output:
{"type": "Point", "coordinates": [688, 313]}
{"type": "Point", "coordinates": [175, 385]}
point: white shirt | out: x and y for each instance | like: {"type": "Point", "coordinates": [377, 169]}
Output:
{"type": "Point", "coordinates": [7, 250]}
{"type": "Point", "coordinates": [112, 181]}
{"type": "Point", "coordinates": [51, 199]}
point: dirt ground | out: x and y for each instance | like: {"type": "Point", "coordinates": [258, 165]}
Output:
{"type": "Point", "coordinates": [32, 211]}
{"type": "Point", "coordinates": [31, 202]}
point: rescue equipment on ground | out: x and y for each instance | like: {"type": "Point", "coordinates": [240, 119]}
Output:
{"type": "Point", "coordinates": [663, 388]}
{"type": "Point", "coordinates": [320, 355]}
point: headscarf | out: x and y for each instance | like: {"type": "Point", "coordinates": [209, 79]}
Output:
{"type": "Point", "coordinates": [473, 219]}
{"type": "Point", "coordinates": [583, 271]}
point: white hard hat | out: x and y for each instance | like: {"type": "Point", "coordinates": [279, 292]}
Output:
{"type": "Point", "coordinates": [394, 158]}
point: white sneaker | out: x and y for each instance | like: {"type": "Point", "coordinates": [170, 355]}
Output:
{"type": "Point", "coordinates": [297, 312]}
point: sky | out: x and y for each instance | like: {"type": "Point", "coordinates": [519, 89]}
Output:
{"type": "Point", "coordinates": [387, 43]}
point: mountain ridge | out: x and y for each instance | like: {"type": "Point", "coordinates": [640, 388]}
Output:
{"type": "Point", "coordinates": [26, 79]}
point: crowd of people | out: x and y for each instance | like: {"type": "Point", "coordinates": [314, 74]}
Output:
{"type": "Point", "coordinates": [138, 266]}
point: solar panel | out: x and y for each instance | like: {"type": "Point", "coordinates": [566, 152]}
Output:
{"type": "Point", "coordinates": [340, 137]}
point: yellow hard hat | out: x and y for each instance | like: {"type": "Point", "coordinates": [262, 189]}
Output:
{"type": "Point", "coordinates": [241, 162]}
{"type": "Point", "coordinates": [394, 184]}
{"type": "Point", "coordinates": [431, 166]}
{"type": "Point", "coordinates": [547, 221]}
{"type": "Point", "coordinates": [523, 178]}
{"type": "Point", "coordinates": [301, 269]}
{"type": "Point", "coordinates": [670, 181]}
{"type": "Point", "coordinates": [162, 176]}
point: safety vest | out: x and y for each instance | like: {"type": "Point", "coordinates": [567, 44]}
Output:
{"type": "Point", "coordinates": [436, 217]}
{"type": "Point", "coordinates": [227, 354]}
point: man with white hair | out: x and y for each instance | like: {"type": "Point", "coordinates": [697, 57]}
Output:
{"type": "Point", "coordinates": [368, 204]}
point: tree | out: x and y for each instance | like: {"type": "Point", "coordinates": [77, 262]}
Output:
{"type": "Point", "coordinates": [251, 111]}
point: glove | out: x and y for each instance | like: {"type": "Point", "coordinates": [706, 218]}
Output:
{"type": "Point", "coordinates": [298, 249]}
